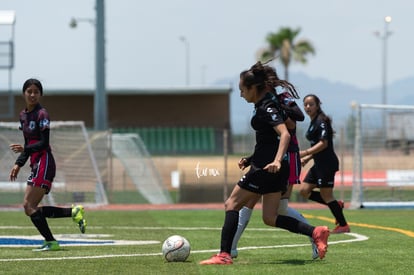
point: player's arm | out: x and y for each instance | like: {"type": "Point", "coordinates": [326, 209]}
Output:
{"type": "Point", "coordinates": [318, 147]}
{"type": "Point", "coordinates": [40, 145]}
{"type": "Point", "coordinates": [23, 157]}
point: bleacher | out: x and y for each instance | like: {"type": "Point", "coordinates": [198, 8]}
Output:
{"type": "Point", "coordinates": [178, 140]}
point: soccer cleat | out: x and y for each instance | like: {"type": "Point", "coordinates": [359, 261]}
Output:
{"type": "Point", "coordinates": [341, 229]}
{"type": "Point", "coordinates": [48, 246]}
{"type": "Point", "coordinates": [320, 237]}
{"type": "Point", "coordinates": [342, 205]}
{"type": "Point", "coordinates": [223, 258]}
{"type": "Point", "coordinates": [77, 217]}
{"type": "Point", "coordinates": [315, 252]}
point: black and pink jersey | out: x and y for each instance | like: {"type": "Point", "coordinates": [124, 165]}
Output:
{"type": "Point", "coordinates": [35, 126]}
{"type": "Point", "coordinates": [291, 111]}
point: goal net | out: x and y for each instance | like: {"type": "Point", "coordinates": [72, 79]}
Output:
{"type": "Point", "coordinates": [78, 178]}
{"type": "Point", "coordinates": [131, 151]}
{"type": "Point", "coordinates": [383, 169]}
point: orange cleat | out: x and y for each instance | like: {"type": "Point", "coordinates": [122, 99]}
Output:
{"type": "Point", "coordinates": [220, 258]}
{"type": "Point", "coordinates": [341, 229]}
{"type": "Point", "coordinates": [320, 237]}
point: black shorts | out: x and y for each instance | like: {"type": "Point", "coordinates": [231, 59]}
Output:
{"type": "Point", "coordinates": [260, 181]}
{"type": "Point", "coordinates": [321, 176]}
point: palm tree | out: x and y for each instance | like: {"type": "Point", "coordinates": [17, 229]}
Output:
{"type": "Point", "coordinates": [282, 44]}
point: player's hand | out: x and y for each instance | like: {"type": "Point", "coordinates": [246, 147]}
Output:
{"type": "Point", "coordinates": [16, 148]}
{"type": "Point", "coordinates": [14, 172]}
{"type": "Point", "coordinates": [304, 161]}
{"type": "Point", "coordinates": [273, 167]}
{"type": "Point", "coordinates": [242, 163]}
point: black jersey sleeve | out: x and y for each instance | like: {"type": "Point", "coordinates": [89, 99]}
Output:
{"type": "Point", "coordinates": [42, 144]}
{"type": "Point", "coordinates": [21, 160]}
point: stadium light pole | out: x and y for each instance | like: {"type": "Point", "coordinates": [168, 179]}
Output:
{"type": "Point", "coordinates": [100, 97]}
{"type": "Point", "coordinates": [187, 59]}
{"type": "Point", "coordinates": [384, 37]}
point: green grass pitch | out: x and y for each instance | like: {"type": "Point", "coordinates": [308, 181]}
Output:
{"type": "Point", "coordinates": [387, 246]}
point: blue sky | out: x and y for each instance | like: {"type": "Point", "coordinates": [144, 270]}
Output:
{"type": "Point", "coordinates": [143, 48]}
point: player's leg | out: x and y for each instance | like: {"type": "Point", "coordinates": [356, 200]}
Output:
{"type": "Point", "coordinates": [295, 214]}
{"type": "Point", "coordinates": [76, 212]}
{"type": "Point", "coordinates": [244, 217]}
{"type": "Point", "coordinates": [33, 196]}
{"type": "Point", "coordinates": [319, 234]}
{"type": "Point", "coordinates": [233, 204]}
{"type": "Point", "coordinates": [336, 210]}
{"type": "Point", "coordinates": [308, 185]}
{"type": "Point", "coordinates": [284, 209]}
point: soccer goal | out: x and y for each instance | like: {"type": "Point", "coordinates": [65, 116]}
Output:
{"type": "Point", "coordinates": [131, 151]}
{"type": "Point", "coordinates": [78, 177]}
{"type": "Point", "coordinates": [383, 167]}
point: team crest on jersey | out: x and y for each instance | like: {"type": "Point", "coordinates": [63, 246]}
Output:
{"type": "Point", "coordinates": [32, 125]}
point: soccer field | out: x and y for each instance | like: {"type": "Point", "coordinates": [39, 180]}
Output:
{"type": "Point", "coordinates": [129, 242]}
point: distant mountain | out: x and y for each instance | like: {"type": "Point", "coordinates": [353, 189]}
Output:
{"type": "Point", "coordinates": [336, 98]}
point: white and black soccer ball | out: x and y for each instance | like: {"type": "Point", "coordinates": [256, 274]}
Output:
{"type": "Point", "coordinates": [176, 249]}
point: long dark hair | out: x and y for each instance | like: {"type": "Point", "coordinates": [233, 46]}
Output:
{"type": "Point", "coordinates": [266, 78]}
{"type": "Point", "coordinates": [273, 81]}
{"type": "Point", "coordinates": [255, 76]}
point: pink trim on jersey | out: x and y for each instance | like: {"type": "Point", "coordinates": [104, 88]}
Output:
{"type": "Point", "coordinates": [294, 167]}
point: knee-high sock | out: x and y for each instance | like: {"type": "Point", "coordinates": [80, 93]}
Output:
{"type": "Point", "coordinates": [337, 212]}
{"type": "Point", "coordinates": [55, 212]}
{"type": "Point", "coordinates": [41, 224]}
{"type": "Point", "coordinates": [229, 229]}
{"type": "Point", "coordinates": [244, 217]}
{"type": "Point", "coordinates": [295, 214]}
{"type": "Point", "coordinates": [294, 225]}
{"type": "Point", "coordinates": [316, 196]}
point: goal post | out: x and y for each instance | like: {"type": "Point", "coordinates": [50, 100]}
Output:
{"type": "Point", "coordinates": [383, 170]}
{"type": "Point", "coordinates": [77, 179]}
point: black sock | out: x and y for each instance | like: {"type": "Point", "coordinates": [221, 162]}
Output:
{"type": "Point", "coordinates": [229, 230]}
{"type": "Point", "coordinates": [316, 196]}
{"type": "Point", "coordinates": [41, 224]}
{"type": "Point", "coordinates": [336, 210]}
{"type": "Point", "coordinates": [293, 225]}
{"type": "Point", "coordinates": [55, 212]}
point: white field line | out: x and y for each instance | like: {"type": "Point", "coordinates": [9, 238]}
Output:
{"type": "Point", "coordinates": [356, 238]}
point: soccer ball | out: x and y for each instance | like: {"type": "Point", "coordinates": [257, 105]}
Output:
{"type": "Point", "coordinates": [176, 249]}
